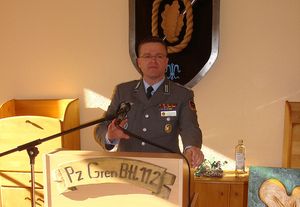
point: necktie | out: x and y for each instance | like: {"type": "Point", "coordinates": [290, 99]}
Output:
{"type": "Point", "coordinates": [149, 92]}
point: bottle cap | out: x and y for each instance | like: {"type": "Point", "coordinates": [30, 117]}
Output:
{"type": "Point", "coordinates": [240, 141]}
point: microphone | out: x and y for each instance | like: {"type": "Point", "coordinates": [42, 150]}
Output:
{"type": "Point", "coordinates": [122, 111]}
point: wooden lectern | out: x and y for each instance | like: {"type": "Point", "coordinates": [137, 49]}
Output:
{"type": "Point", "coordinates": [111, 179]}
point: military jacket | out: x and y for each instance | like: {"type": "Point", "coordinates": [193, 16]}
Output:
{"type": "Point", "coordinates": [160, 119]}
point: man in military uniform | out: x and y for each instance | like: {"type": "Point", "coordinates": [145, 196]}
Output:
{"type": "Point", "coordinates": [158, 114]}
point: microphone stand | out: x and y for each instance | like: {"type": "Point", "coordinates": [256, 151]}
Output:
{"type": "Point", "coordinates": [33, 151]}
{"type": "Point", "coordinates": [164, 148]}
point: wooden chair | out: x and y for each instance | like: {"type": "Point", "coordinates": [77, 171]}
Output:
{"type": "Point", "coordinates": [23, 121]}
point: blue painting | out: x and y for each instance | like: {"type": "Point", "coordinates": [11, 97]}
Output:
{"type": "Point", "coordinates": [274, 187]}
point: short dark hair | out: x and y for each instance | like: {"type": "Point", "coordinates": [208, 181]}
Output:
{"type": "Point", "coordinates": [151, 39]}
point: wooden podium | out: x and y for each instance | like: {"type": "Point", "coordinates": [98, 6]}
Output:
{"type": "Point", "coordinates": [94, 179]}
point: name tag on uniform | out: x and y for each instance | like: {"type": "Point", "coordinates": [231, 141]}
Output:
{"type": "Point", "coordinates": [168, 113]}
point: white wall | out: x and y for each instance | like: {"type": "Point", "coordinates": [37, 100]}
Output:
{"type": "Point", "coordinates": [66, 48]}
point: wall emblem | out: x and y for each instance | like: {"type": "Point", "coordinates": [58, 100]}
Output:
{"type": "Point", "coordinates": [189, 27]}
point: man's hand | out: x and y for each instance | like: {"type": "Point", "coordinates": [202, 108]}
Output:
{"type": "Point", "coordinates": [113, 132]}
{"type": "Point", "coordinates": [194, 156]}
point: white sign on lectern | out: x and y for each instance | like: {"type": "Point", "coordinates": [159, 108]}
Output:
{"type": "Point", "coordinates": [110, 179]}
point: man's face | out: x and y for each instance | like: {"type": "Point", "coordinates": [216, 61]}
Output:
{"type": "Point", "coordinates": [152, 61]}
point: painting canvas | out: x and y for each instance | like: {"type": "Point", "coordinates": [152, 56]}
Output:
{"type": "Point", "coordinates": [274, 187]}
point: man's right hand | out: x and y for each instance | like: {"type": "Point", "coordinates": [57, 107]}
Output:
{"type": "Point", "coordinates": [114, 132]}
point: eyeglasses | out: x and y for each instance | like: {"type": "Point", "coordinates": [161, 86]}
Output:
{"type": "Point", "coordinates": [156, 57]}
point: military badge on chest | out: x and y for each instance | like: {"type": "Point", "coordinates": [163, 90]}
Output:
{"type": "Point", "coordinates": [168, 128]}
{"type": "Point", "coordinates": [168, 110]}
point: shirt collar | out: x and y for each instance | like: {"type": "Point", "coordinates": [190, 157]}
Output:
{"type": "Point", "coordinates": [154, 86]}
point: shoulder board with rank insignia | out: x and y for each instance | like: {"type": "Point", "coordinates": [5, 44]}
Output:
{"type": "Point", "coordinates": [182, 86]}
